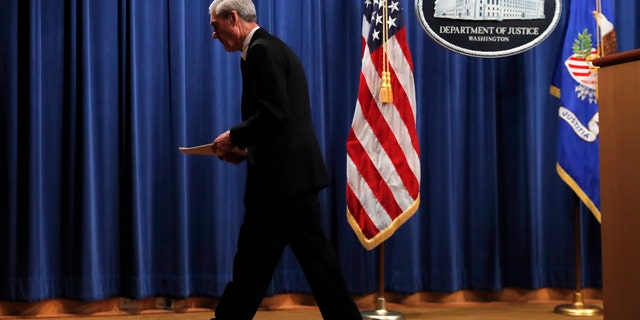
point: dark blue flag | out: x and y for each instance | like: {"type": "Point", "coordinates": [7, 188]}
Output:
{"type": "Point", "coordinates": [589, 34]}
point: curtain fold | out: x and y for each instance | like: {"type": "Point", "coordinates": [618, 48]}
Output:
{"type": "Point", "coordinates": [96, 97]}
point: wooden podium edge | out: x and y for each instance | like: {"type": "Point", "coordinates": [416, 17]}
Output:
{"type": "Point", "coordinates": [617, 58]}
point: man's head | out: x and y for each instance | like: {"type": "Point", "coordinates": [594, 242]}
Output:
{"type": "Point", "coordinates": [232, 20]}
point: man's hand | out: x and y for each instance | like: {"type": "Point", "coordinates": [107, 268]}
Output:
{"type": "Point", "coordinates": [224, 146]}
{"type": "Point", "coordinates": [223, 143]}
{"type": "Point", "coordinates": [235, 156]}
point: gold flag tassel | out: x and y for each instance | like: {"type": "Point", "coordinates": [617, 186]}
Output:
{"type": "Point", "coordinates": [386, 94]}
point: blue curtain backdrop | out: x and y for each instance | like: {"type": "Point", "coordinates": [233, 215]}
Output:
{"type": "Point", "coordinates": [96, 97]}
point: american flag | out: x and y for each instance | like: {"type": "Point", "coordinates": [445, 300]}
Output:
{"type": "Point", "coordinates": [383, 155]}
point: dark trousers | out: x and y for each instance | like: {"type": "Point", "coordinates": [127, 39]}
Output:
{"type": "Point", "coordinates": [264, 234]}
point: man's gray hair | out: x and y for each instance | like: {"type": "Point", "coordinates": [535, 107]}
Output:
{"type": "Point", "coordinates": [245, 9]}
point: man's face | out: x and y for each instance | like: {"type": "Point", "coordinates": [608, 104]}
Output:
{"type": "Point", "coordinates": [226, 31]}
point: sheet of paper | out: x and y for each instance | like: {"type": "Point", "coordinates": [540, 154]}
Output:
{"type": "Point", "coordinates": [205, 149]}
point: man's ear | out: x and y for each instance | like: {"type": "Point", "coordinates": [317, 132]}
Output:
{"type": "Point", "coordinates": [233, 17]}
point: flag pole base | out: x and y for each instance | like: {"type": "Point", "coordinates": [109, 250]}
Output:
{"type": "Point", "coordinates": [578, 308]}
{"type": "Point", "coordinates": [381, 312]}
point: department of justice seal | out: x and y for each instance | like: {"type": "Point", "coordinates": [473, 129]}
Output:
{"type": "Point", "coordinates": [488, 28]}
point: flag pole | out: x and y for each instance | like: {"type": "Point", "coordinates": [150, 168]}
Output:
{"type": "Point", "coordinates": [578, 308]}
{"type": "Point", "coordinates": [381, 312]}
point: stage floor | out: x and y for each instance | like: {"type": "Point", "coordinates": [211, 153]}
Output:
{"type": "Point", "coordinates": [471, 311]}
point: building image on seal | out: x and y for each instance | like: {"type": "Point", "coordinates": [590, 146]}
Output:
{"type": "Point", "coordinates": [489, 9]}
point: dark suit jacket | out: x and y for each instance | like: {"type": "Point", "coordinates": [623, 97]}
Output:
{"type": "Point", "coordinates": [284, 158]}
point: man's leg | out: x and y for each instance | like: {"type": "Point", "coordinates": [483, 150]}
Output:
{"type": "Point", "coordinates": [260, 246]}
{"type": "Point", "coordinates": [319, 262]}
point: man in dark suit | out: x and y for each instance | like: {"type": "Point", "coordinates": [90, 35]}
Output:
{"type": "Point", "coordinates": [285, 171]}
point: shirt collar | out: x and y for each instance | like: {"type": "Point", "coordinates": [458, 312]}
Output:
{"type": "Point", "coordinates": [247, 40]}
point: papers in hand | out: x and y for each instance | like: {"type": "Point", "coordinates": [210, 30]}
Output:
{"type": "Point", "coordinates": [205, 150]}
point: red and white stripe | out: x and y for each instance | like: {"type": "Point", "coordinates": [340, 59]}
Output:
{"type": "Point", "coordinates": [580, 69]}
